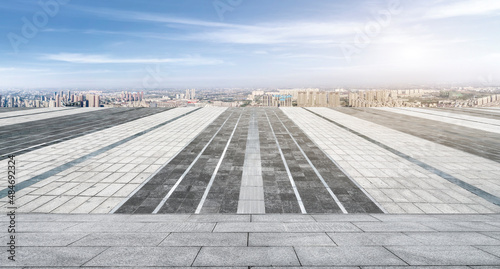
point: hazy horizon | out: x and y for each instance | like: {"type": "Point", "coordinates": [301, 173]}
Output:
{"type": "Point", "coordinates": [243, 43]}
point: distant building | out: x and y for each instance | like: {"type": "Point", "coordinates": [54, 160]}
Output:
{"type": "Point", "coordinates": [318, 99]}
{"type": "Point", "coordinates": [277, 100]}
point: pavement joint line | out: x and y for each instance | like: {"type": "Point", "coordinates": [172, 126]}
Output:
{"type": "Point", "coordinates": [314, 169]}
{"type": "Point", "coordinates": [443, 116]}
{"type": "Point", "coordinates": [384, 246]}
{"type": "Point", "coordinates": [466, 186]}
{"type": "Point", "coordinates": [164, 200]}
{"type": "Point", "coordinates": [31, 114]}
{"type": "Point", "coordinates": [156, 172]}
{"type": "Point", "coordinates": [290, 177]}
{"type": "Point", "coordinates": [209, 186]}
{"type": "Point", "coordinates": [21, 185]}
{"type": "Point", "coordinates": [349, 176]}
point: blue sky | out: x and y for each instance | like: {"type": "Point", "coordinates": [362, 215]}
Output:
{"type": "Point", "coordinates": [247, 43]}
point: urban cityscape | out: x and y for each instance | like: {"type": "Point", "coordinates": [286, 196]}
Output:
{"type": "Point", "coordinates": [250, 134]}
{"type": "Point", "coordinates": [308, 97]}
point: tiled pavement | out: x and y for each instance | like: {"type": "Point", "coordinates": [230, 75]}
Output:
{"type": "Point", "coordinates": [315, 160]}
{"type": "Point", "coordinates": [254, 241]}
{"type": "Point", "coordinates": [480, 143]}
{"type": "Point", "coordinates": [402, 185]}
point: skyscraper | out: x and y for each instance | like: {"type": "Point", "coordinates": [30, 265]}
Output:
{"type": "Point", "coordinates": [96, 100]}
{"type": "Point", "coordinates": [58, 100]}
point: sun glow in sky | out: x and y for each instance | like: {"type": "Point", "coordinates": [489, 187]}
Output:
{"type": "Point", "coordinates": [247, 43]}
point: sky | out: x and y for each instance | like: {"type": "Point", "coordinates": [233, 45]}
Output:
{"type": "Point", "coordinates": [247, 43]}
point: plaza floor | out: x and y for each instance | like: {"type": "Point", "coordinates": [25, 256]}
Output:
{"type": "Point", "coordinates": [256, 241]}
{"type": "Point", "coordinates": [253, 187]}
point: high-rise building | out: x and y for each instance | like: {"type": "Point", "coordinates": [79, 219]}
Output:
{"type": "Point", "coordinates": [302, 99]}
{"type": "Point", "coordinates": [193, 94]}
{"type": "Point", "coordinates": [90, 100]}
{"type": "Point", "coordinates": [96, 100]}
{"type": "Point", "coordinates": [58, 100]}
{"type": "Point", "coordinates": [321, 100]}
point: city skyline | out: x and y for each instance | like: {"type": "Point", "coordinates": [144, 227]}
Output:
{"type": "Point", "coordinates": [248, 43]}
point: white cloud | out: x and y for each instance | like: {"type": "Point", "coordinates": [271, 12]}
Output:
{"type": "Point", "coordinates": [464, 8]}
{"type": "Point", "coordinates": [104, 59]}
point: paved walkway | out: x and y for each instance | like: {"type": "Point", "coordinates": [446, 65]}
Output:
{"type": "Point", "coordinates": [253, 241]}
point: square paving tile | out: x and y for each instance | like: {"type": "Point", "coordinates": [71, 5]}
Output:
{"type": "Point", "coordinates": [289, 239]}
{"type": "Point", "coordinates": [444, 255]}
{"type": "Point", "coordinates": [345, 256]}
{"type": "Point", "coordinates": [246, 256]}
{"type": "Point", "coordinates": [145, 256]}
{"type": "Point", "coordinates": [206, 239]}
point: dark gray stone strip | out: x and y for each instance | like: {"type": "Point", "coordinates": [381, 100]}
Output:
{"type": "Point", "coordinates": [28, 137]}
{"type": "Point", "coordinates": [448, 116]}
{"type": "Point", "coordinates": [31, 114]}
{"type": "Point", "coordinates": [278, 193]}
{"type": "Point", "coordinates": [470, 112]}
{"type": "Point", "coordinates": [147, 198]}
{"type": "Point", "coordinates": [473, 189]}
{"type": "Point", "coordinates": [480, 143]}
{"type": "Point", "coordinates": [289, 173]}
{"type": "Point", "coordinates": [14, 109]}
{"type": "Point", "coordinates": [187, 194]}
{"type": "Point", "coordinates": [21, 185]}
{"type": "Point", "coordinates": [318, 174]}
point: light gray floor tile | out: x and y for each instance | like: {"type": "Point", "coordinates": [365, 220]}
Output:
{"type": "Point", "coordinates": [53, 256]}
{"type": "Point", "coordinates": [495, 250]}
{"type": "Point", "coordinates": [305, 227]}
{"type": "Point", "coordinates": [444, 255]}
{"type": "Point", "coordinates": [219, 218]}
{"type": "Point", "coordinates": [470, 226]}
{"type": "Point", "coordinates": [47, 239]}
{"type": "Point", "coordinates": [145, 256]}
{"type": "Point", "coordinates": [345, 256]}
{"type": "Point", "coordinates": [344, 217]}
{"type": "Point", "coordinates": [404, 218]}
{"type": "Point", "coordinates": [206, 239]}
{"type": "Point", "coordinates": [246, 256]}
{"type": "Point", "coordinates": [40, 227]}
{"type": "Point", "coordinates": [372, 239]}
{"type": "Point", "coordinates": [121, 239]}
{"type": "Point", "coordinates": [453, 239]}
{"type": "Point", "coordinates": [289, 239]}
{"type": "Point", "coordinates": [282, 218]}
{"type": "Point", "coordinates": [178, 227]}
{"type": "Point", "coordinates": [103, 227]}
{"type": "Point", "coordinates": [231, 227]}
{"type": "Point", "coordinates": [392, 227]}
{"type": "Point", "coordinates": [416, 267]}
